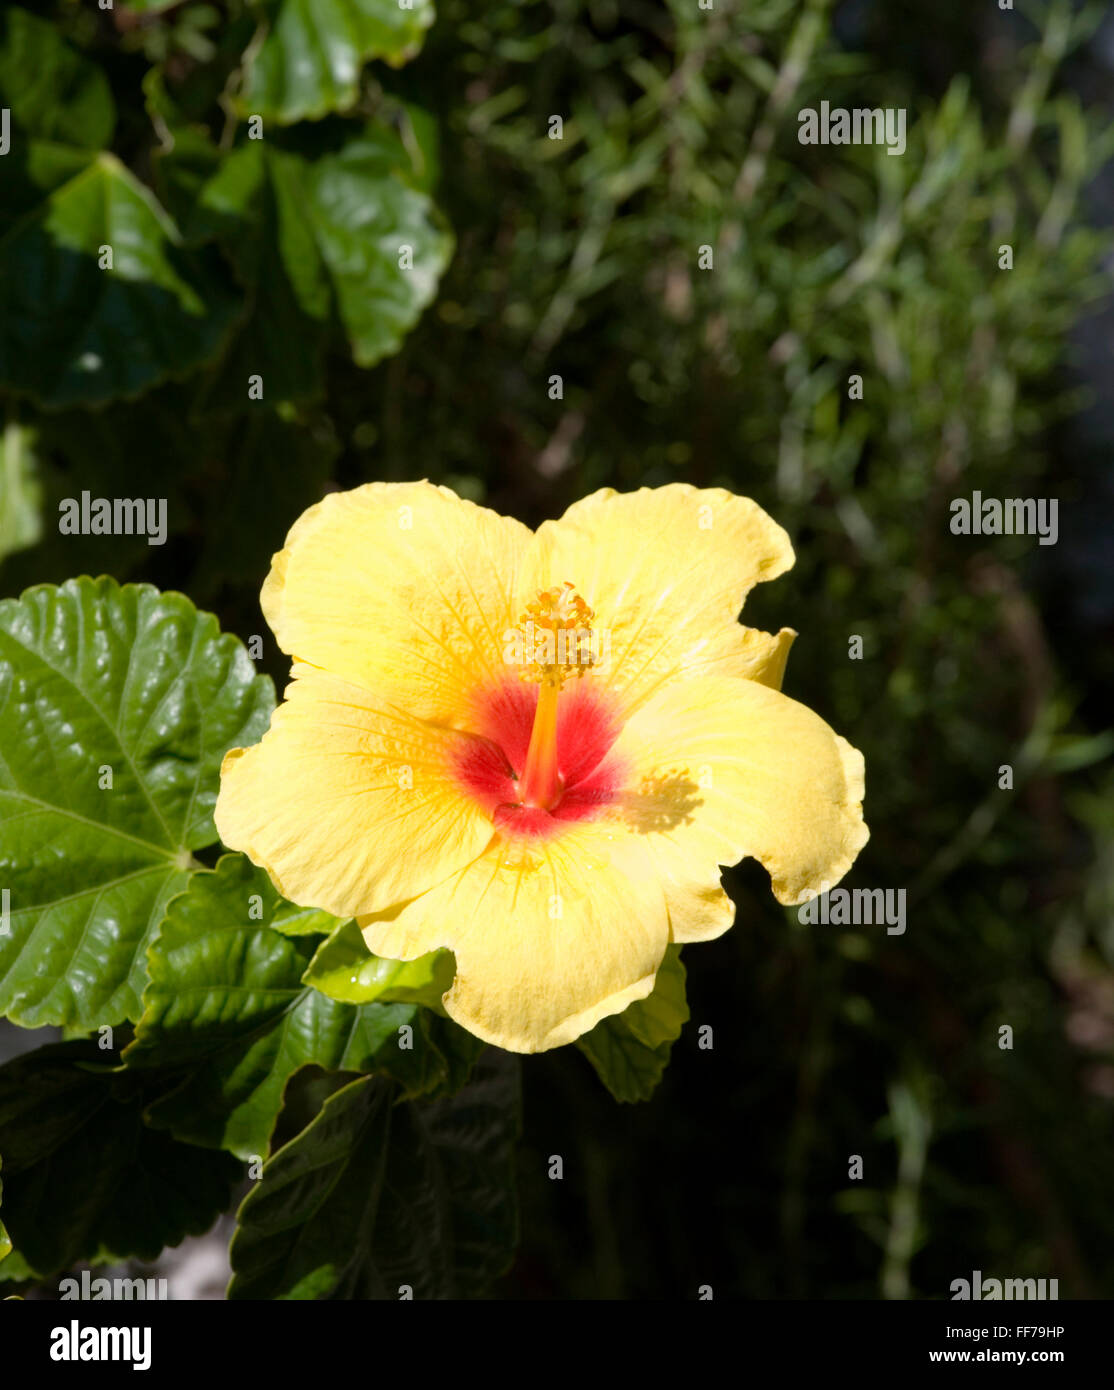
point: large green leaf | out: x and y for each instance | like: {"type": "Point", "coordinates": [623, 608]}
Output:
{"type": "Point", "coordinates": [73, 331]}
{"type": "Point", "coordinates": [373, 1197]}
{"type": "Point", "coordinates": [83, 1174]}
{"type": "Point", "coordinates": [99, 680]}
{"type": "Point", "coordinates": [227, 1001]}
{"type": "Point", "coordinates": [310, 59]}
{"type": "Point", "coordinates": [630, 1051]}
{"type": "Point", "coordinates": [345, 969]}
{"type": "Point", "coordinates": [319, 244]}
{"type": "Point", "coordinates": [52, 91]}
{"type": "Point", "coordinates": [364, 214]}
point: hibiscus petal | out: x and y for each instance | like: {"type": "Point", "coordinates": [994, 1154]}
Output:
{"type": "Point", "coordinates": [699, 909]}
{"type": "Point", "coordinates": [666, 571]}
{"type": "Point", "coordinates": [548, 939]}
{"type": "Point", "coordinates": [403, 588]}
{"type": "Point", "coordinates": [722, 768]}
{"type": "Point", "coordinates": [758, 656]}
{"type": "Point", "coordinates": [349, 807]}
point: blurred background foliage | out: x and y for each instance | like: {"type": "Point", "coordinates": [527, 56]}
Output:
{"type": "Point", "coordinates": [581, 258]}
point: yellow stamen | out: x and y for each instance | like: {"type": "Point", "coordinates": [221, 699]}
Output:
{"type": "Point", "coordinates": [558, 636]}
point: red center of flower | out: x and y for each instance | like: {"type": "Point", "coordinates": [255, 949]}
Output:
{"type": "Point", "coordinates": [491, 764]}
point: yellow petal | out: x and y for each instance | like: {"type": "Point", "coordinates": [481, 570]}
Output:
{"type": "Point", "coordinates": [666, 571]}
{"type": "Point", "coordinates": [721, 768]}
{"type": "Point", "coordinates": [699, 909]}
{"type": "Point", "coordinates": [403, 588]}
{"type": "Point", "coordinates": [759, 657]}
{"type": "Point", "coordinates": [349, 807]}
{"type": "Point", "coordinates": [548, 939]}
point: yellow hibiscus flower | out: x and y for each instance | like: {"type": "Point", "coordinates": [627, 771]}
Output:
{"type": "Point", "coordinates": [536, 748]}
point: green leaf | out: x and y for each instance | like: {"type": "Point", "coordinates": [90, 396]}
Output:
{"type": "Point", "coordinates": [99, 681]}
{"type": "Point", "coordinates": [292, 920]}
{"type": "Point", "coordinates": [63, 317]}
{"type": "Point", "coordinates": [317, 244]}
{"type": "Point", "coordinates": [15, 1268]}
{"type": "Point", "coordinates": [372, 1196]}
{"type": "Point", "coordinates": [226, 1001]}
{"type": "Point", "coordinates": [363, 215]}
{"type": "Point", "coordinates": [310, 59]}
{"type": "Point", "coordinates": [52, 91]}
{"type": "Point", "coordinates": [345, 969]}
{"type": "Point", "coordinates": [20, 490]}
{"type": "Point", "coordinates": [630, 1051]}
{"type": "Point", "coordinates": [32, 174]}
{"type": "Point", "coordinates": [82, 1173]}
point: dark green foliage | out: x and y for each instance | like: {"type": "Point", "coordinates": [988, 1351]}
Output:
{"type": "Point", "coordinates": [371, 1201]}
{"type": "Point", "coordinates": [84, 1177]}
